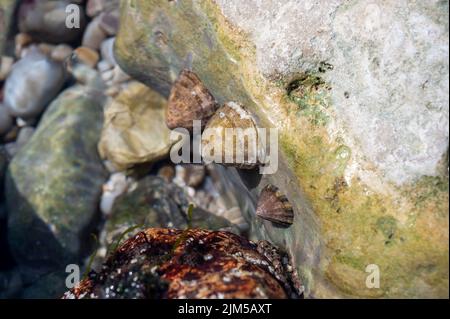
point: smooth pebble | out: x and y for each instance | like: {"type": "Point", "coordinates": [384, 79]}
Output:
{"type": "Point", "coordinates": [33, 82]}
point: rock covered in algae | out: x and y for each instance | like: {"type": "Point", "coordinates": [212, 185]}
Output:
{"type": "Point", "coordinates": [53, 184]}
{"type": "Point", "coordinates": [189, 264]}
{"type": "Point", "coordinates": [135, 131]}
{"type": "Point", "coordinates": [338, 231]}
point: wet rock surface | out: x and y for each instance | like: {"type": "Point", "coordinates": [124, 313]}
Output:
{"type": "Point", "coordinates": [46, 20]}
{"type": "Point", "coordinates": [34, 81]}
{"type": "Point", "coordinates": [6, 120]}
{"type": "Point", "coordinates": [7, 8]}
{"type": "Point", "coordinates": [338, 96]}
{"type": "Point", "coordinates": [194, 263]}
{"type": "Point", "coordinates": [356, 92]}
{"type": "Point", "coordinates": [54, 184]}
{"type": "Point", "coordinates": [152, 202]}
{"type": "Point", "coordinates": [134, 131]}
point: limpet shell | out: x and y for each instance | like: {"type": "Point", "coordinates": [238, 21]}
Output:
{"type": "Point", "coordinates": [189, 100]}
{"type": "Point", "coordinates": [232, 138]}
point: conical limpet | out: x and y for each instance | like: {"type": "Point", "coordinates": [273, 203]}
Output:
{"type": "Point", "coordinates": [274, 206]}
{"type": "Point", "coordinates": [189, 100]}
{"type": "Point", "coordinates": [232, 138]}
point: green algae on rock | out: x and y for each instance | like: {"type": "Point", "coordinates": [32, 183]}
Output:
{"type": "Point", "coordinates": [54, 183]}
{"type": "Point", "coordinates": [342, 224]}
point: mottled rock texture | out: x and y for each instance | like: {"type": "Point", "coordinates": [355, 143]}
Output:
{"type": "Point", "coordinates": [358, 92]}
{"type": "Point", "coordinates": [192, 264]}
{"type": "Point", "coordinates": [389, 71]}
{"type": "Point", "coordinates": [53, 185]}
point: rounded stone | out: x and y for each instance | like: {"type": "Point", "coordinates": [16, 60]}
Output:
{"type": "Point", "coordinates": [45, 20]}
{"type": "Point", "coordinates": [34, 81]}
{"type": "Point", "coordinates": [61, 52]}
{"type": "Point", "coordinates": [94, 35]}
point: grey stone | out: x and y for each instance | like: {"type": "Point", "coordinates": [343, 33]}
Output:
{"type": "Point", "coordinates": [339, 227]}
{"type": "Point", "coordinates": [46, 20]}
{"type": "Point", "coordinates": [7, 9]}
{"type": "Point", "coordinates": [34, 81]}
{"type": "Point", "coordinates": [107, 50]}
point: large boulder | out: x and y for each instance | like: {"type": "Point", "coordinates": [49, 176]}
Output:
{"type": "Point", "coordinates": [358, 93]}
{"type": "Point", "coordinates": [53, 185]}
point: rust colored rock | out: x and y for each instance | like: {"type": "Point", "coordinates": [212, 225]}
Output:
{"type": "Point", "coordinates": [192, 264]}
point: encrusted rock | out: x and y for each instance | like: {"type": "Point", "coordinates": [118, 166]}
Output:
{"type": "Point", "coordinates": [189, 264]}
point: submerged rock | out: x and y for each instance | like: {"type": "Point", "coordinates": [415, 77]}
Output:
{"type": "Point", "coordinates": [10, 284]}
{"type": "Point", "coordinates": [7, 8]}
{"type": "Point", "coordinates": [191, 264]}
{"type": "Point", "coordinates": [45, 20]}
{"type": "Point", "coordinates": [6, 120]}
{"type": "Point", "coordinates": [34, 81]}
{"type": "Point", "coordinates": [48, 286]}
{"type": "Point", "coordinates": [6, 64]}
{"type": "Point", "coordinates": [383, 122]}
{"type": "Point", "coordinates": [153, 202]}
{"type": "Point", "coordinates": [94, 35]}
{"type": "Point", "coordinates": [95, 7]}
{"type": "Point", "coordinates": [135, 131]}
{"type": "Point", "coordinates": [53, 185]}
